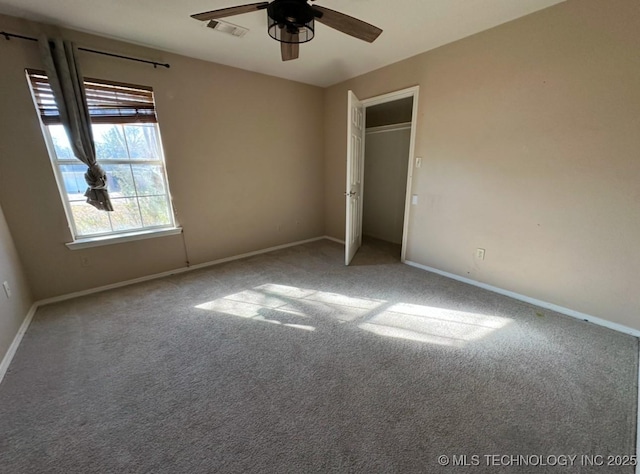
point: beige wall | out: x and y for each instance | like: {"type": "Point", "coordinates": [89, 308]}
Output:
{"type": "Point", "coordinates": [530, 138]}
{"type": "Point", "coordinates": [14, 309]}
{"type": "Point", "coordinates": [244, 155]}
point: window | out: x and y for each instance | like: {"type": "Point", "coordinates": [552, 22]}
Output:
{"type": "Point", "coordinates": [128, 147]}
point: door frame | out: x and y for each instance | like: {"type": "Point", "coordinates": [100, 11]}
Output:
{"type": "Point", "coordinates": [391, 97]}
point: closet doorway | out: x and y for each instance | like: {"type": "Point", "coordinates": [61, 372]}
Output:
{"type": "Point", "coordinates": [388, 144]}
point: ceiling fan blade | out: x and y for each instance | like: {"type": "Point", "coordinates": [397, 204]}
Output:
{"type": "Point", "coordinates": [347, 24]}
{"type": "Point", "coordinates": [290, 50]}
{"type": "Point", "coordinates": [224, 12]}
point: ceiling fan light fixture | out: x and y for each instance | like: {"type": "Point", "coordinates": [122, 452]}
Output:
{"type": "Point", "coordinates": [291, 21]}
{"type": "Point", "coordinates": [289, 34]}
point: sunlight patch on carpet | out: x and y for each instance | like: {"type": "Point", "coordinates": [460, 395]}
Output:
{"type": "Point", "coordinates": [297, 307]}
{"type": "Point", "coordinates": [433, 325]}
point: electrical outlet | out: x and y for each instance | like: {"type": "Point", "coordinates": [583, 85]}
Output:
{"type": "Point", "coordinates": [480, 254]}
{"type": "Point", "coordinates": [7, 289]}
{"type": "Point", "coordinates": [84, 261]}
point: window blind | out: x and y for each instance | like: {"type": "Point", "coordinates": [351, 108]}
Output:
{"type": "Point", "coordinates": [108, 102]}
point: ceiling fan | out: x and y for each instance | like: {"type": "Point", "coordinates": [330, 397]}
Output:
{"type": "Point", "coordinates": [291, 22]}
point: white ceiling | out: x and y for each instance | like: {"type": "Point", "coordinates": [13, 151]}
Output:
{"type": "Point", "coordinates": [410, 27]}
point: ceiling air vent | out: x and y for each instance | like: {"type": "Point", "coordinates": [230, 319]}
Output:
{"type": "Point", "coordinates": [228, 28]}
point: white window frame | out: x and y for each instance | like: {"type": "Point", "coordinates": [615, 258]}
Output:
{"type": "Point", "coordinates": [106, 238]}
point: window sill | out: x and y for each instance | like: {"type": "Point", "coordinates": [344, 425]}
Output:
{"type": "Point", "coordinates": [120, 238]}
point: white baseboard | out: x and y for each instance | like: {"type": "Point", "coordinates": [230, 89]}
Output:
{"type": "Point", "coordinates": [543, 304]}
{"type": "Point", "coordinates": [177, 271]}
{"type": "Point", "coordinates": [334, 239]}
{"type": "Point", "coordinates": [251, 254]}
{"type": "Point", "coordinates": [8, 357]}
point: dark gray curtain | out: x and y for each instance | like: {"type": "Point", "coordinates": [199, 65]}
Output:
{"type": "Point", "coordinates": [68, 90]}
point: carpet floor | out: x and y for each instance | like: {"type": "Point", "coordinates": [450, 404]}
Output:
{"type": "Point", "coordinates": [290, 362]}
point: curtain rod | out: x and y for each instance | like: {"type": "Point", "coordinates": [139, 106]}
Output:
{"type": "Point", "coordinates": [8, 36]}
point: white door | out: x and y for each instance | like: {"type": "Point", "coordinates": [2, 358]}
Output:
{"type": "Point", "coordinates": [355, 173]}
